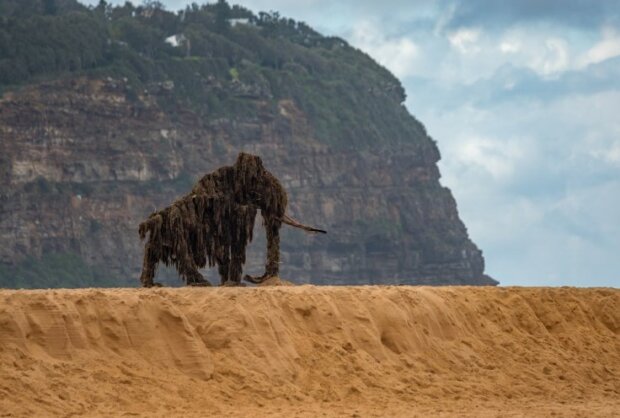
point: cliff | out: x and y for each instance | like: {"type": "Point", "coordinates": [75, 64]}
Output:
{"type": "Point", "coordinates": [87, 153]}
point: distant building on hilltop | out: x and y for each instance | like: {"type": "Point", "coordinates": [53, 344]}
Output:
{"type": "Point", "coordinates": [240, 21]}
{"type": "Point", "coordinates": [178, 41]}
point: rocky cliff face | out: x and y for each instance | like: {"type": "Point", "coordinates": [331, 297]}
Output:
{"type": "Point", "coordinates": [83, 160]}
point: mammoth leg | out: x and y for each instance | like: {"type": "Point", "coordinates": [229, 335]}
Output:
{"type": "Point", "coordinates": [188, 269]}
{"type": "Point", "coordinates": [241, 235]}
{"type": "Point", "coordinates": [235, 266]}
{"type": "Point", "coordinates": [272, 267]}
{"type": "Point", "coordinates": [223, 265]}
{"type": "Point", "coordinates": [179, 232]}
{"type": "Point", "coordinates": [149, 263]}
{"type": "Point", "coordinates": [194, 278]}
{"type": "Point", "coordinates": [237, 258]}
{"type": "Point", "coordinates": [230, 270]}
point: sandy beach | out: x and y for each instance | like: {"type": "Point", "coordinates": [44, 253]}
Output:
{"type": "Point", "coordinates": [310, 351]}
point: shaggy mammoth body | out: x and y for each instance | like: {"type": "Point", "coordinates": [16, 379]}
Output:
{"type": "Point", "coordinates": [213, 225]}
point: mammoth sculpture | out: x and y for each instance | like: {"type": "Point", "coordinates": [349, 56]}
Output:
{"type": "Point", "coordinates": [213, 224]}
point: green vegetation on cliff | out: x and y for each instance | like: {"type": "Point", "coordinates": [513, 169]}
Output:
{"type": "Point", "coordinates": [215, 59]}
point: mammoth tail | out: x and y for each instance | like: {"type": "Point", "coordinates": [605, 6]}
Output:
{"type": "Point", "coordinates": [152, 224]}
{"type": "Point", "coordinates": [142, 230]}
{"type": "Point", "coordinates": [292, 222]}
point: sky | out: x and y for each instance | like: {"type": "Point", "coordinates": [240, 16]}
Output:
{"type": "Point", "coordinates": [523, 98]}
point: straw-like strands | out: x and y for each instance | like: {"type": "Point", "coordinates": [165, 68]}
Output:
{"type": "Point", "coordinates": [213, 224]}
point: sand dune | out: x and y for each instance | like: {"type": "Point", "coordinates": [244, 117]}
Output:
{"type": "Point", "coordinates": [310, 351]}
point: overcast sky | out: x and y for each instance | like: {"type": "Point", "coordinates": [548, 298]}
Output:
{"type": "Point", "coordinates": [523, 98]}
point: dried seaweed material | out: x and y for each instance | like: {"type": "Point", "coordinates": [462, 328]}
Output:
{"type": "Point", "coordinates": [213, 225]}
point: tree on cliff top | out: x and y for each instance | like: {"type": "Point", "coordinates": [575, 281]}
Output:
{"type": "Point", "coordinates": [222, 16]}
{"type": "Point", "coordinates": [341, 90]}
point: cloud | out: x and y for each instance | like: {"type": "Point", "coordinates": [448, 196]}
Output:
{"type": "Point", "coordinates": [518, 85]}
{"type": "Point", "coordinates": [468, 54]}
{"type": "Point", "coordinates": [610, 154]}
{"type": "Point", "coordinates": [536, 181]}
{"type": "Point", "coordinates": [494, 157]}
{"type": "Point", "coordinates": [498, 14]}
{"type": "Point", "coordinates": [607, 48]}
{"type": "Point", "coordinates": [398, 54]}
{"type": "Point", "coordinates": [603, 147]}
{"type": "Point", "coordinates": [465, 40]}
{"type": "Point", "coordinates": [510, 47]}
{"type": "Point", "coordinates": [554, 60]}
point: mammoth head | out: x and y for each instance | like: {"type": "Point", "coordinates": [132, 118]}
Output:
{"type": "Point", "coordinates": [249, 166]}
{"type": "Point", "coordinates": [248, 160]}
{"type": "Point", "coordinates": [254, 183]}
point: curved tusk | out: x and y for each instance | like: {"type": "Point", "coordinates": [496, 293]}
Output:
{"type": "Point", "coordinates": [292, 222]}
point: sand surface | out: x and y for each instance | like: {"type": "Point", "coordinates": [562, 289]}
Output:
{"type": "Point", "coordinates": [310, 351]}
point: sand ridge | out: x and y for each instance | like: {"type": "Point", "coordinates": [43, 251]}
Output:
{"type": "Point", "coordinates": [310, 351]}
